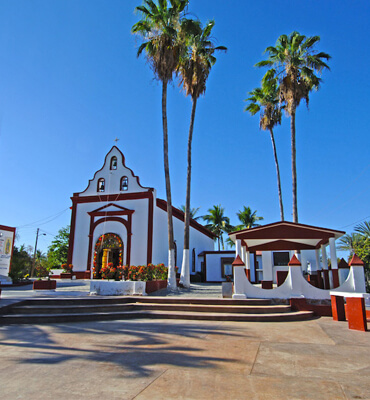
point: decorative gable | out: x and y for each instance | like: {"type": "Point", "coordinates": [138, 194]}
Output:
{"type": "Point", "coordinates": [114, 177]}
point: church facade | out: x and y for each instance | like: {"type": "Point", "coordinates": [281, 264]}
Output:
{"type": "Point", "coordinates": [115, 219]}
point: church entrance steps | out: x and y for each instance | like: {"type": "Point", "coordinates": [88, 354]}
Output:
{"type": "Point", "coordinates": [107, 308]}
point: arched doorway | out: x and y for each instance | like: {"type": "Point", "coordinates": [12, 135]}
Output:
{"type": "Point", "coordinates": [108, 249]}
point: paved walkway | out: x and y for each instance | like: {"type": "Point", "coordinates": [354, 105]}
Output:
{"type": "Point", "coordinates": [161, 359]}
{"type": "Point", "coordinates": [72, 288]}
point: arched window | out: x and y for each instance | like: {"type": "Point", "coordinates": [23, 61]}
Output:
{"type": "Point", "coordinates": [101, 185]}
{"type": "Point", "coordinates": [193, 261]}
{"type": "Point", "coordinates": [113, 162]}
{"type": "Point", "coordinates": [124, 184]}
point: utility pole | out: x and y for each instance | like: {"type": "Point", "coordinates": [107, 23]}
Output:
{"type": "Point", "coordinates": [34, 254]}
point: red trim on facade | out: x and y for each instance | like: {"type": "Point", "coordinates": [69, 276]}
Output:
{"type": "Point", "coordinates": [9, 229]}
{"type": "Point", "coordinates": [111, 197]}
{"type": "Point", "coordinates": [94, 224]}
{"type": "Point", "coordinates": [99, 199]}
{"type": "Point", "coordinates": [162, 204]}
{"type": "Point", "coordinates": [106, 213]}
{"type": "Point", "coordinates": [109, 205]}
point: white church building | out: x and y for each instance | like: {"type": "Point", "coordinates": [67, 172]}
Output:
{"type": "Point", "coordinates": [115, 219]}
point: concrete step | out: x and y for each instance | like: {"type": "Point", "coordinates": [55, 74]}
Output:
{"type": "Point", "coordinates": [91, 308]}
{"type": "Point", "coordinates": [140, 299]}
{"type": "Point", "coordinates": [244, 309]}
{"type": "Point", "coordinates": [80, 317]}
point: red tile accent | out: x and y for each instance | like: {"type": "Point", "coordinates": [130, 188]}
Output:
{"type": "Point", "coordinates": [281, 276]}
{"type": "Point", "coordinates": [325, 272]}
{"type": "Point", "coordinates": [238, 262]}
{"type": "Point", "coordinates": [337, 308]}
{"type": "Point", "coordinates": [356, 313]}
{"type": "Point", "coordinates": [356, 260]}
{"type": "Point", "coordinates": [335, 278]}
{"type": "Point", "coordinates": [294, 261]}
{"type": "Point", "coordinates": [266, 284]}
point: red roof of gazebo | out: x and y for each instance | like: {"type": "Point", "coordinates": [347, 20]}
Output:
{"type": "Point", "coordinates": [284, 235]}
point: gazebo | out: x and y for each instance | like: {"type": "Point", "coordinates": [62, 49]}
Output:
{"type": "Point", "coordinates": [308, 243]}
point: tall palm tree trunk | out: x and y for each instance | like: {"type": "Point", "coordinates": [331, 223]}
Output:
{"type": "Point", "coordinates": [185, 268]}
{"type": "Point", "coordinates": [277, 175]}
{"type": "Point", "coordinates": [171, 247]}
{"type": "Point", "coordinates": [294, 167]}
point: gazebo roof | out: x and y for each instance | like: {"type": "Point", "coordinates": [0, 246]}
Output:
{"type": "Point", "coordinates": [284, 235]}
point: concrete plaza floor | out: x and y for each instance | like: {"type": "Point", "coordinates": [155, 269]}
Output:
{"type": "Point", "coordinates": [162, 359]}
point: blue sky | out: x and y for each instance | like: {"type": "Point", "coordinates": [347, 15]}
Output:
{"type": "Point", "coordinates": [70, 83]}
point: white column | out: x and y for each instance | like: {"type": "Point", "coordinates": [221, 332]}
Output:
{"type": "Point", "coordinates": [238, 248]}
{"type": "Point", "coordinates": [324, 258]}
{"type": "Point", "coordinates": [318, 264]}
{"type": "Point", "coordinates": [333, 254]}
{"type": "Point", "coordinates": [243, 257]}
{"type": "Point", "coordinates": [247, 260]}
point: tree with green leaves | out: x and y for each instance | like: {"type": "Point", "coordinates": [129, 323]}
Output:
{"type": "Point", "coordinates": [58, 250]}
{"type": "Point", "coordinates": [159, 30]}
{"type": "Point", "coordinates": [217, 223]}
{"type": "Point", "coordinates": [248, 219]}
{"type": "Point", "coordinates": [194, 68]}
{"type": "Point", "coordinates": [265, 100]}
{"type": "Point", "coordinates": [193, 212]}
{"type": "Point", "coordinates": [359, 242]}
{"type": "Point", "coordinates": [21, 263]}
{"type": "Point", "coordinates": [296, 64]}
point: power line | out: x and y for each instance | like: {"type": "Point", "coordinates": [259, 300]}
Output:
{"type": "Point", "coordinates": [43, 221]}
{"type": "Point", "coordinates": [353, 223]}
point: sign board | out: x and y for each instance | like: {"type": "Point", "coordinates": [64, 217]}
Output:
{"type": "Point", "coordinates": [7, 236]}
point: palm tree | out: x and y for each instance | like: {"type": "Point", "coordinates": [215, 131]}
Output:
{"type": "Point", "coordinates": [296, 64]}
{"type": "Point", "coordinates": [193, 212]}
{"type": "Point", "coordinates": [217, 223]}
{"type": "Point", "coordinates": [248, 218]}
{"type": "Point", "coordinates": [349, 242]}
{"type": "Point", "coordinates": [159, 30]}
{"type": "Point", "coordinates": [194, 68]}
{"type": "Point", "coordinates": [266, 101]}
{"type": "Point", "coordinates": [363, 229]}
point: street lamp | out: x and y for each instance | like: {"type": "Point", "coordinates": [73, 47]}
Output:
{"type": "Point", "coordinates": [34, 254]}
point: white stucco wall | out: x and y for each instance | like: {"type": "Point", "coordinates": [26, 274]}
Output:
{"type": "Point", "coordinates": [198, 240]}
{"type": "Point", "coordinates": [113, 177]}
{"type": "Point", "coordinates": [213, 264]}
{"type": "Point", "coordinates": [138, 238]}
{"type": "Point", "coordinates": [140, 219]}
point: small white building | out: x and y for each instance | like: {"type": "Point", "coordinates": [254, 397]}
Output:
{"type": "Point", "coordinates": [115, 219]}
